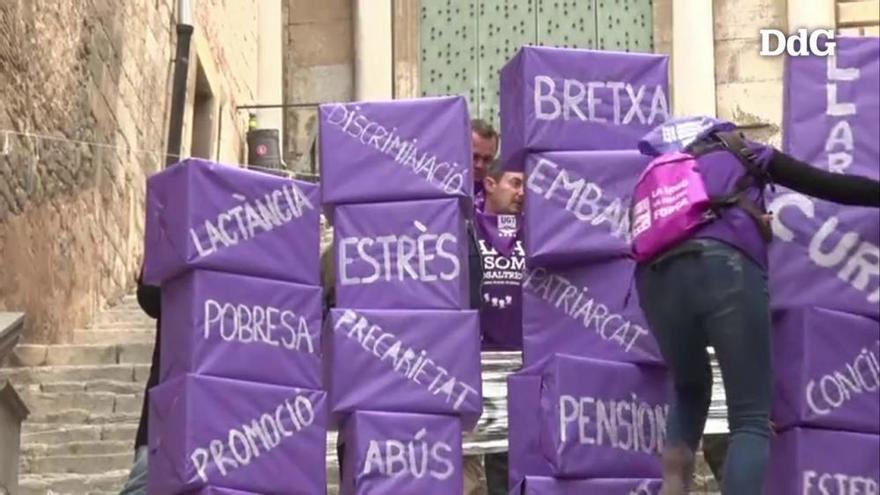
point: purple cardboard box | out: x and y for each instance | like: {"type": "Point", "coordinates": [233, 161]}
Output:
{"type": "Point", "coordinates": [395, 453]}
{"type": "Point", "coordinates": [207, 215]}
{"type": "Point", "coordinates": [578, 205]}
{"type": "Point", "coordinates": [222, 325]}
{"type": "Point", "coordinates": [827, 370]}
{"type": "Point", "coordinates": [831, 112]}
{"type": "Point", "coordinates": [825, 254]}
{"type": "Point", "coordinates": [213, 490]}
{"type": "Point", "coordinates": [599, 418]}
{"type": "Point", "coordinates": [395, 150]}
{"type": "Point", "coordinates": [540, 485]}
{"type": "Point", "coordinates": [581, 310]}
{"type": "Point", "coordinates": [559, 99]}
{"type": "Point", "coordinates": [819, 462]}
{"type": "Point", "coordinates": [421, 361]}
{"type": "Point", "coordinates": [524, 436]}
{"type": "Point", "coordinates": [236, 434]}
{"type": "Point", "coordinates": [402, 255]}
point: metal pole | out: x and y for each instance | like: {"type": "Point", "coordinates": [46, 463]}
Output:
{"type": "Point", "coordinates": [178, 91]}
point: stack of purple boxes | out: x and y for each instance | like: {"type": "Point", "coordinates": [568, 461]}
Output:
{"type": "Point", "coordinates": [825, 283]}
{"type": "Point", "coordinates": [240, 406]}
{"type": "Point", "coordinates": [402, 351]}
{"type": "Point", "coordinates": [571, 119]}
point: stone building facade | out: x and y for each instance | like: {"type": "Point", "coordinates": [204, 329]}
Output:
{"type": "Point", "coordinates": [84, 95]}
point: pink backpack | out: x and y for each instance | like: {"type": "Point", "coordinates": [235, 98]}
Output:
{"type": "Point", "coordinates": [670, 201]}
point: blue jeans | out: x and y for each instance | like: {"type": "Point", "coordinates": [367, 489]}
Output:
{"type": "Point", "coordinates": [137, 478]}
{"type": "Point", "coordinates": [709, 293]}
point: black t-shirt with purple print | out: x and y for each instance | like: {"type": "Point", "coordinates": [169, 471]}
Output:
{"type": "Point", "coordinates": [501, 251]}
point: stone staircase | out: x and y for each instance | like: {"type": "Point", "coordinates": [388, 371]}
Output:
{"type": "Point", "coordinates": [85, 401]}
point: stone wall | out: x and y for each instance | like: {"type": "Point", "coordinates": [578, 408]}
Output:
{"type": "Point", "coordinates": [748, 87]}
{"type": "Point", "coordinates": [318, 67]}
{"type": "Point", "coordinates": [77, 72]}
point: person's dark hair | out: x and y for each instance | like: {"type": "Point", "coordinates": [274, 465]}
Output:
{"type": "Point", "coordinates": [495, 170]}
{"type": "Point", "coordinates": [484, 129]}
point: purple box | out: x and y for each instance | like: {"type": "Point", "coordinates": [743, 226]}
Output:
{"type": "Point", "coordinates": [221, 325]}
{"type": "Point", "coordinates": [805, 461]}
{"type": "Point", "coordinates": [425, 361]}
{"type": "Point", "coordinates": [219, 217]}
{"type": "Point", "coordinates": [236, 434]}
{"type": "Point", "coordinates": [403, 255]}
{"type": "Point", "coordinates": [213, 490]}
{"type": "Point", "coordinates": [558, 99]}
{"type": "Point", "coordinates": [600, 418]}
{"type": "Point", "coordinates": [524, 437]}
{"type": "Point", "coordinates": [540, 485]}
{"type": "Point", "coordinates": [827, 370]}
{"type": "Point", "coordinates": [395, 453]}
{"type": "Point", "coordinates": [581, 310]}
{"type": "Point", "coordinates": [831, 113]}
{"type": "Point", "coordinates": [825, 254]}
{"type": "Point", "coordinates": [395, 150]}
{"type": "Point", "coordinates": [579, 205]}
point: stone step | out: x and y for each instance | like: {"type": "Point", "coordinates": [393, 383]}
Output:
{"type": "Point", "coordinates": [84, 417]}
{"type": "Point", "coordinates": [114, 336]}
{"type": "Point", "coordinates": [123, 314]}
{"type": "Point", "coordinates": [76, 464]}
{"type": "Point", "coordinates": [93, 447]}
{"type": "Point", "coordinates": [44, 484]}
{"type": "Point", "coordinates": [94, 402]}
{"type": "Point", "coordinates": [127, 326]}
{"type": "Point", "coordinates": [137, 373]}
{"type": "Point", "coordinates": [113, 386]}
{"type": "Point", "coordinates": [36, 433]}
{"type": "Point", "coordinates": [80, 354]}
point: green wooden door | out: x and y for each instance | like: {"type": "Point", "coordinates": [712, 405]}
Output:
{"type": "Point", "coordinates": [464, 43]}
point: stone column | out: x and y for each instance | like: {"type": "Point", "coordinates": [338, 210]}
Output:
{"type": "Point", "coordinates": [373, 68]}
{"type": "Point", "coordinates": [693, 59]}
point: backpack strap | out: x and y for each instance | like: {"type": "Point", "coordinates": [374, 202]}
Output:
{"type": "Point", "coordinates": [754, 177]}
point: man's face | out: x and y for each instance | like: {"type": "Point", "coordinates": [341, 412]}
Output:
{"type": "Point", "coordinates": [484, 153]}
{"type": "Point", "coordinates": [505, 195]}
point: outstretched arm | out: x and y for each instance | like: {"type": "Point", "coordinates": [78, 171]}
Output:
{"type": "Point", "coordinates": [844, 189]}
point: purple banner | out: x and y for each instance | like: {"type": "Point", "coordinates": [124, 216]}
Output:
{"type": "Point", "coordinates": [808, 462]}
{"type": "Point", "coordinates": [538, 485]}
{"type": "Point", "coordinates": [557, 99]}
{"type": "Point", "coordinates": [580, 311]}
{"type": "Point", "coordinates": [579, 205]}
{"type": "Point", "coordinates": [395, 150]}
{"type": "Point", "coordinates": [425, 361]}
{"type": "Point", "coordinates": [220, 324]}
{"type": "Point", "coordinates": [235, 434]}
{"type": "Point", "coordinates": [826, 254]}
{"type": "Point", "coordinates": [602, 418]}
{"type": "Point", "coordinates": [219, 217]}
{"type": "Point", "coordinates": [402, 255]}
{"type": "Point", "coordinates": [397, 453]}
{"type": "Point", "coordinates": [827, 370]}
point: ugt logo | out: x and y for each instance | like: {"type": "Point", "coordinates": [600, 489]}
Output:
{"type": "Point", "coordinates": [817, 42]}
